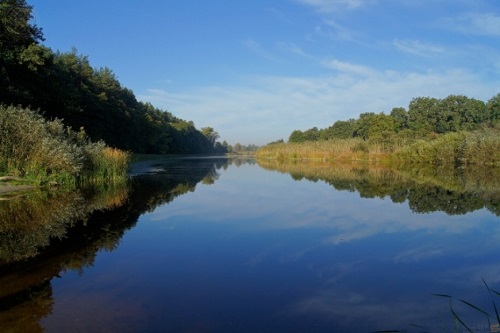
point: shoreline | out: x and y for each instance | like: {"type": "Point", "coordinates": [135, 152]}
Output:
{"type": "Point", "coordinates": [4, 188]}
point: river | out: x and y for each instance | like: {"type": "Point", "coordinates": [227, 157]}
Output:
{"type": "Point", "coordinates": [199, 244]}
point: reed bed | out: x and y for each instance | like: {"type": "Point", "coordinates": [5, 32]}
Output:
{"type": "Point", "coordinates": [104, 163]}
{"type": "Point", "coordinates": [47, 151]}
{"type": "Point", "coordinates": [342, 151]}
{"type": "Point", "coordinates": [481, 147]}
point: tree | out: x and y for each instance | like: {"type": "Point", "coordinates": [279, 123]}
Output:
{"type": "Point", "coordinates": [210, 134]}
{"type": "Point", "coordinates": [422, 114]}
{"type": "Point", "coordinates": [16, 32]}
{"type": "Point", "coordinates": [493, 108]}
{"type": "Point", "coordinates": [400, 117]}
{"type": "Point", "coordinates": [311, 134]}
{"type": "Point", "coordinates": [66, 86]}
{"type": "Point", "coordinates": [296, 136]}
{"type": "Point", "coordinates": [371, 125]}
{"type": "Point", "coordinates": [20, 53]}
{"type": "Point", "coordinates": [341, 129]}
{"type": "Point", "coordinates": [457, 112]}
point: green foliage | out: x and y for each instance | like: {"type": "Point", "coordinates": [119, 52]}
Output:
{"type": "Point", "coordinates": [401, 118]}
{"type": "Point", "coordinates": [425, 118]}
{"type": "Point", "coordinates": [480, 147]}
{"type": "Point", "coordinates": [493, 109]}
{"type": "Point", "coordinates": [455, 130]}
{"type": "Point", "coordinates": [47, 150]}
{"type": "Point", "coordinates": [371, 125]}
{"type": "Point", "coordinates": [66, 86]}
{"type": "Point", "coordinates": [339, 130]}
{"type": "Point", "coordinates": [420, 114]}
{"type": "Point", "coordinates": [244, 149]}
{"type": "Point", "coordinates": [309, 135]}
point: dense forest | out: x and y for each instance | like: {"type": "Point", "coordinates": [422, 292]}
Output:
{"type": "Point", "coordinates": [64, 85]}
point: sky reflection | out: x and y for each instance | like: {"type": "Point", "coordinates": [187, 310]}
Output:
{"type": "Point", "coordinates": [259, 251]}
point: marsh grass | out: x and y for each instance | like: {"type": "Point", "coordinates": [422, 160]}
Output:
{"type": "Point", "coordinates": [343, 151]}
{"type": "Point", "coordinates": [45, 150]}
{"type": "Point", "coordinates": [104, 163]}
{"type": "Point", "coordinates": [481, 147]}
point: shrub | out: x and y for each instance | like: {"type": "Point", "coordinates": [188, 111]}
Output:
{"type": "Point", "coordinates": [45, 150]}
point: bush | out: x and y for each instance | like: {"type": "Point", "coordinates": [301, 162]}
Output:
{"type": "Point", "coordinates": [43, 150]}
{"type": "Point", "coordinates": [481, 147]}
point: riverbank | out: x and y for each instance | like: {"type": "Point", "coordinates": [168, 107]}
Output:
{"type": "Point", "coordinates": [481, 147]}
{"type": "Point", "coordinates": [9, 184]}
{"type": "Point", "coordinates": [5, 189]}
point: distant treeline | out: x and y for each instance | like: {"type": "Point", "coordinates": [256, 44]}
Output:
{"type": "Point", "coordinates": [426, 116]}
{"type": "Point", "coordinates": [65, 86]}
{"type": "Point", "coordinates": [456, 130]}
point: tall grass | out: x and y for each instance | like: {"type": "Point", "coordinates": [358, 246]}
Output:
{"type": "Point", "coordinates": [104, 163]}
{"type": "Point", "coordinates": [43, 150]}
{"type": "Point", "coordinates": [481, 147]}
{"type": "Point", "coordinates": [342, 151]}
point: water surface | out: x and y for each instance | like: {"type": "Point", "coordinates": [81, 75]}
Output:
{"type": "Point", "coordinates": [210, 245]}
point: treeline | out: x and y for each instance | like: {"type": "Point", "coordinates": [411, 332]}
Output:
{"type": "Point", "coordinates": [240, 149]}
{"type": "Point", "coordinates": [456, 130]}
{"type": "Point", "coordinates": [425, 117]}
{"type": "Point", "coordinates": [64, 85]}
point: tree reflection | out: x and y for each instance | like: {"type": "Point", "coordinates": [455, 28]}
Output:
{"type": "Point", "coordinates": [449, 190]}
{"type": "Point", "coordinates": [46, 233]}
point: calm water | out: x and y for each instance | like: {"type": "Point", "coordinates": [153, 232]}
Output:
{"type": "Point", "coordinates": [210, 245]}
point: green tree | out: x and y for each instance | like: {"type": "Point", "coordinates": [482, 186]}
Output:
{"type": "Point", "coordinates": [296, 136]}
{"type": "Point", "coordinates": [421, 114]}
{"type": "Point", "coordinates": [210, 134]}
{"type": "Point", "coordinates": [66, 86]}
{"type": "Point", "coordinates": [493, 108]}
{"type": "Point", "coordinates": [400, 117]}
{"type": "Point", "coordinates": [341, 129]}
{"type": "Point", "coordinates": [20, 53]}
{"type": "Point", "coordinates": [371, 125]}
{"type": "Point", "coordinates": [363, 124]}
{"type": "Point", "coordinates": [456, 112]}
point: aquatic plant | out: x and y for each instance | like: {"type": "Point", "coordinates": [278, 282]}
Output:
{"type": "Point", "coordinates": [480, 147]}
{"type": "Point", "coordinates": [492, 319]}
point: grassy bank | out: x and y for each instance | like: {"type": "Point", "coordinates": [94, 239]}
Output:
{"type": "Point", "coordinates": [334, 150]}
{"type": "Point", "coordinates": [44, 151]}
{"type": "Point", "coordinates": [481, 147]}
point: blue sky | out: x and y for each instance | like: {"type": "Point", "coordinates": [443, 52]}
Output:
{"type": "Point", "coordinates": [257, 70]}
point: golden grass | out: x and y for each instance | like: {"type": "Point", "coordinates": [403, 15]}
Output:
{"type": "Point", "coordinates": [481, 147]}
{"type": "Point", "coordinates": [341, 151]}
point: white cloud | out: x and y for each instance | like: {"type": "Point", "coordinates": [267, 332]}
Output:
{"type": "Point", "coordinates": [486, 24]}
{"type": "Point", "coordinates": [332, 5]}
{"type": "Point", "coordinates": [418, 48]}
{"type": "Point", "coordinates": [335, 31]}
{"type": "Point", "coordinates": [254, 46]}
{"type": "Point", "coordinates": [349, 68]}
{"type": "Point", "coordinates": [293, 48]}
{"type": "Point", "coordinates": [267, 108]}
